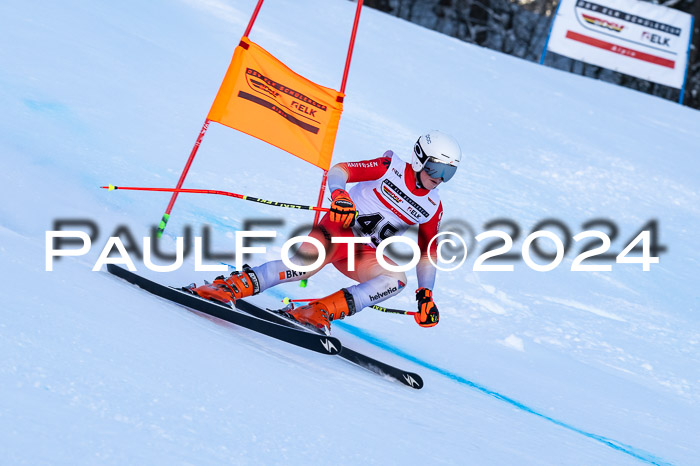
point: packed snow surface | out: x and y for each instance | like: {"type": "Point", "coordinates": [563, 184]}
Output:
{"type": "Point", "coordinates": [525, 367]}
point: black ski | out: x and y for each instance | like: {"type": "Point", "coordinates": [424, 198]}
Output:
{"type": "Point", "coordinates": [411, 379]}
{"type": "Point", "coordinates": [319, 343]}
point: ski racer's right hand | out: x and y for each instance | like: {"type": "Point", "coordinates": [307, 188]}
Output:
{"type": "Point", "coordinates": [427, 315]}
{"type": "Point", "coordinates": [342, 208]}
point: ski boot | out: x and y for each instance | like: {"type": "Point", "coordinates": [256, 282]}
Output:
{"type": "Point", "coordinates": [322, 312]}
{"type": "Point", "coordinates": [227, 290]}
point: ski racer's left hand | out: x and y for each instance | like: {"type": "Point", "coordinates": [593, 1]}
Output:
{"type": "Point", "coordinates": [342, 208]}
{"type": "Point", "coordinates": [427, 315]}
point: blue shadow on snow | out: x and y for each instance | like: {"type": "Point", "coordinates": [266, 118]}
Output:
{"type": "Point", "coordinates": [627, 449]}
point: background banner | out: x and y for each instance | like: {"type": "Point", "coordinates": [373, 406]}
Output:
{"type": "Point", "coordinates": [636, 38]}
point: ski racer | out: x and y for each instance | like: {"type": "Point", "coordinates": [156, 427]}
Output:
{"type": "Point", "coordinates": [389, 197]}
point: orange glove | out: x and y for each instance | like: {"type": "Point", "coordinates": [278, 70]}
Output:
{"type": "Point", "coordinates": [427, 315]}
{"type": "Point", "coordinates": [342, 208]}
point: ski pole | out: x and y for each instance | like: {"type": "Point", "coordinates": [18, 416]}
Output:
{"type": "Point", "coordinates": [378, 308]}
{"type": "Point", "coordinates": [393, 311]}
{"type": "Point", "coordinates": [111, 187]}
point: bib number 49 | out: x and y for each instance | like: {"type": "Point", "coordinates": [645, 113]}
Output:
{"type": "Point", "coordinates": [369, 224]}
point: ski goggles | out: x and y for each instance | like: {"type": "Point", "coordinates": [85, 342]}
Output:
{"type": "Point", "coordinates": [436, 169]}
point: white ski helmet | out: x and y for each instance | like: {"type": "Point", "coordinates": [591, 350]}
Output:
{"type": "Point", "coordinates": [438, 154]}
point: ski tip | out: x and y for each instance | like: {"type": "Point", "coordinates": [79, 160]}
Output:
{"type": "Point", "coordinates": [413, 380]}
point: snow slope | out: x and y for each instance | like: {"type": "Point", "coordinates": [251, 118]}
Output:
{"type": "Point", "coordinates": [525, 367]}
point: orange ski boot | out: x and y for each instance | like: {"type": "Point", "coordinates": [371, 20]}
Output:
{"type": "Point", "coordinates": [227, 290]}
{"type": "Point", "coordinates": [322, 312]}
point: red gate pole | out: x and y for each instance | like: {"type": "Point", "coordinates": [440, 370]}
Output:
{"type": "Point", "coordinates": [351, 46]}
{"type": "Point", "coordinates": [253, 17]}
{"type": "Point", "coordinates": [320, 194]}
{"type": "Point", "coordinates": [342, 90]}
{"type": "Point", "coordinates": [166, 215]}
